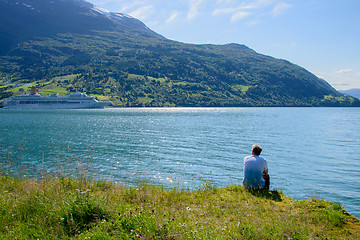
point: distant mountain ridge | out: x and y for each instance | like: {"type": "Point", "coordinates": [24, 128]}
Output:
{"type": "Point", "coordinates": [63, 45]}
{"type": "Point", "coordinates": [354, 92]}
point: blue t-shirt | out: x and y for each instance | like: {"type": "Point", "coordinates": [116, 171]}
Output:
{"type": "Point", "coordinates": [253, 170]}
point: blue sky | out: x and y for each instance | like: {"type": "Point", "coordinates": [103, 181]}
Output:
{"type": "Point", "coordinates": [322, 36]}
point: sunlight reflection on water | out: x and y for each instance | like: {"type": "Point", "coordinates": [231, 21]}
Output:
{"type": "Point", "coordinates": [310, 150]}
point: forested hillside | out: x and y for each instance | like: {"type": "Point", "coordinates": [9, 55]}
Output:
{"type": "Point", "coordinates": [62, 46]}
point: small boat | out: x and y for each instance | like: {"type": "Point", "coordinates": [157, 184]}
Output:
{"type": "Point", "coordinates": [35, 100]}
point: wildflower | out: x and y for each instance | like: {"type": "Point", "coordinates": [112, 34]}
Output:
{"type": "Point", "coordinates": [138, 236]}
{"type": "Point", "coordinates": [87, 190]}
{"type": "Point", "coordinates": [140, 211]}
{"type": "Point", "coordinates": [188, 208]}
{"type": "Point", "coordinates": [173, 218]}
{"type": "Point", "coordinates": [152, 210]}
{"type": "Point", "coordinates": [112, 221]}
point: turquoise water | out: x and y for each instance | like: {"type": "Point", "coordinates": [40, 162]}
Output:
{"type": "Point", "coordinates": [311, 151]}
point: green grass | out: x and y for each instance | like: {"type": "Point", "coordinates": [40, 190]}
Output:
{"type": "Point", "coordinates": [161, 80]}
{"type": "Point", "coordinates": [241, 88]}
{"type": "Point", "coordinates": [66, 77]}
{"type": "Point", "coordinates": [52, 89]}
{"type": "Point", "coordinates": [135, 76]}
{"type": "Point", "coordinates": [341, 99]}
{"type": "Point", "coordinates": [145, 99]}
{"type": "Point", "coordinates": [67, 208]}
{"type": "Point", "coordinates": [101, 98]}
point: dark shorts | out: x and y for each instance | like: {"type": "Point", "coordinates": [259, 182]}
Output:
{"type": "Point", "coordinates": [267, 181]}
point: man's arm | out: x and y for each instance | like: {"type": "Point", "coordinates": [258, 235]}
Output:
{"type": "Point", "coordinates": [265, 171]}
{"type": "Point", "coordinates": [265, 174]}
{"type": "Point", "coordinates": [266, 177]}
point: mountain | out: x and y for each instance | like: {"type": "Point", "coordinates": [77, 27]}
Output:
{"type": "Point", "coordinates": [354, 92]}
{"type": "Point", "coordinates": [24, 20]}
{"type": "Point", "coordinates": [66, 45]}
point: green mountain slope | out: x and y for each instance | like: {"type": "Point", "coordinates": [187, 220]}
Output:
{"type": "Point", "coordinates": [68, 45]}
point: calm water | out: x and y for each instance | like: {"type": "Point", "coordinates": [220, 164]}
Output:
{"type": "Point", "coordinates": [311, 151]}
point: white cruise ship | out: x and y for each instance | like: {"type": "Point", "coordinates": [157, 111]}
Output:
{"type": "Point", "coordinates": [37, 101]}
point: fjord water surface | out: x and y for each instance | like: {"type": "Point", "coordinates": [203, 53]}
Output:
{"type": "Point", "coordinates": [311, 151]}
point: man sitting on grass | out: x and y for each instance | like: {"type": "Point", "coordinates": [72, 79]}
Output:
{"type": "Point", "coordinates": [255, 170]}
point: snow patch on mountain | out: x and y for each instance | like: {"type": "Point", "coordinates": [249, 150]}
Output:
{"type": "Point", "coordinates": [101, 10]}
{"type": "Point", "coordinates": [29, 6]}
{"type": "Point", "coordinates": [109, 14]}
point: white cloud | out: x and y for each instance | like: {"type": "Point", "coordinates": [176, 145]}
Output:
{"type": "Point", "coordinates": [239, 15]}
{"type": "Point", "coordinates": [126, 6]}
{"type": "Point", "coordinates": [142, 12]}
{"type": "Point", "coordinates": [222, 11]}
{"type": "Point", "coordinates": [258, 4]}
{"type": "Point", "coordinates": [227, 2]}
{"type": "Point", "coordinates": [245, 9]}
{"type": "Point", "coordinates": [172, 17]}
{"type": "Point", "coordinates": [280, 8]}
{"type": "Point", "coordinates": [194, 8]}
{"type": "Point", "coordinates": [340, 79]}
{"type": "Point", "coordinates": [253, 22]}
{"type": "Point", "coordinates": [234, 10]}
{"type": "Point", "coordinates": [340, 84]}
{"type": "Point", "coordinates": [357, 74]}
{"type": "Point", "coordinates": [343, 71]}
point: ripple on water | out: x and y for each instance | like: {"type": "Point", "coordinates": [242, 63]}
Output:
{"type": "Point", "coordinates": [310, 150]}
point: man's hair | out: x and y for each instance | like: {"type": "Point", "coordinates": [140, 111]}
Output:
{"type": "Point", "coordinates": [256, 149]}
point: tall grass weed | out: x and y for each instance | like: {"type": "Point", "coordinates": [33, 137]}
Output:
{"type": "Point", "coordinates": [76, 205]}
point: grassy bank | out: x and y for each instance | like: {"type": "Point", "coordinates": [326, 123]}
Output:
{"type": "Point", "coordinates": [65, 208]}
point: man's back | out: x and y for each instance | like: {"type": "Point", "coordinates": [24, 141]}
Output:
{"type": "Point", "coordinates": [254, 167]}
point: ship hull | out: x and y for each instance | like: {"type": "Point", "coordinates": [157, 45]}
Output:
{"type": "Point", "coordinates": [37, 101]}
{"type": "Point", "coordinates": [58, 106]}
